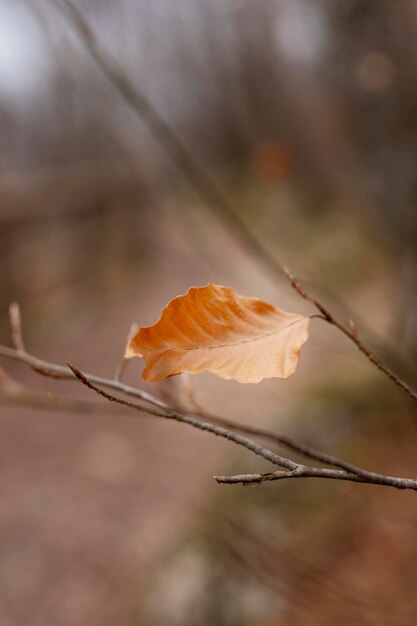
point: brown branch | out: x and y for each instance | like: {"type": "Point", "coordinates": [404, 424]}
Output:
{"type": "Point", "coordinates": [16, 394]}
{"type": "Point", "coordinates": [15, 320]}
{"type": "Point", "coordinates": [61, 372]}
{"type": "Point", "coordinates": [305, 471]}
{"type": "Point", "coordinates": [189, 392]}
{"type": "Point", "coordinates": [351, 332]}
{"type": "Point", "coordinates": [124, 361]}
{"type": "Point", "coordinates": [220, 431]}
{"type": "Point", "coordinates": [159, 409]}
{"type": "Point", "coordinates": [288, 443]}
{"type": "Point", "coordinates": [216, 425]}
{"type": "Point", "coordinates": [295, 470]}
{"type": "Point", "coordinates": [58, 371]}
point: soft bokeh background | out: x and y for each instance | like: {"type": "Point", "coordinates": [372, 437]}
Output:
{"type": "Point", "coordinates": [304, 112]}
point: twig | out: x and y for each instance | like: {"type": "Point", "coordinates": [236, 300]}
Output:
{"type": "Point", "coordinates": [19, 395]}
{"type": "Point", "coordinates": [160, 409]}
{"type": "Point", "coordinates": [193, 421]}
{"type": "Point", "coordinates": [188, 389]}
{"type": "Point", "coordinates": [352, 334]}
{"type": "Point", "coordinates": [201, 420]}
{"type": "Point", "coordinates": [57, 371]}
{"type": "Point", "coordinates": [305, 471]}
{"type": "Point", "coordinates": [15, 320]}
{"type": "Point", "coordinates": [124, 361]}
{"type": "Point", "coordinates": [121, 368]}
{"type": "Point", "coordinates": [53, 370]}
{"type": "Point", "coordinates": [288, 443]}
{"type": "Point", "coordinates": [63, 373]}
{"type": "Point", "coordinates": [295, 470]}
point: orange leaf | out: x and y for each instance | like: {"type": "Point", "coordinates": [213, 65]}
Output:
{"type": "Point", "coordinates": [212, 328]}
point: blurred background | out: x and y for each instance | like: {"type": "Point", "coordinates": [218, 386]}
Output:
{"type": "Point", "coordinates": [304, 113]}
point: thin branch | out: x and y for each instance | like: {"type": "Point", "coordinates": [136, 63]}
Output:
{"type": "Point", "coordinates": [16, 394]}
{"type": "Point", "coordinates": [63, 373]}
{"type": "Point", "coordinates": [118, 375]}
{"type": "Point", "coordinates": [124, 361]}
{"type": "Point", "coordinates": [188, 389]}
{"type": "Point", "coordinates": [295, 470]}
{"type": "Point", "coordinates": [351, 332]}
{"type": "Point", "coordinates": [15, 320]}
{"type": "Point", "coordinates": [160, 409]}
{"type": "Point", "coordinates": [305, 471]}
{"type": "Point", "coordinates": [288, 443]}
{"type": "Point", "coordinates": [57, 371]}
{"type": "Point", "coordinates": [193, 421]}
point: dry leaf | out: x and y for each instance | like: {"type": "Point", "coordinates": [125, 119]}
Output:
{"type": "Point", "coordinates": [212, 328]}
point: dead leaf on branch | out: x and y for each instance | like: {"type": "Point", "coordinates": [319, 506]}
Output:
{"type": "Point", "coordinates": [212, 328]}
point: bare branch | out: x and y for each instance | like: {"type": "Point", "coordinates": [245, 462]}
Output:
{"type": "Point", "coordinates": [16, 394]}
{"type": "Point", "coordinates": [288, 443]}
{"type": "Point", "coordinates": [62, 372]}
{"type": "Point", "coordinates": [295, 470]}
{"type": "Point", "coordinates": [188, 389]}
{"type": "Point", "coordinates": [305, 471]}
{"type": "Point", "coordinates": [352, 334]}
{"type": "Point", "coordinates": [58, 371]}
{"type": "Point", "coordinates": [220, 431]}
{"type": "Point", "coordinates": [210, 423]}
{"type": "Point", "coordinates": [160, 409]}
{"type": "Point", "coordinates": [124, 361]}
{"type": "Point", "coordinates": [118, 375]}
{"type": "Point", "coordinates": [15, 320]}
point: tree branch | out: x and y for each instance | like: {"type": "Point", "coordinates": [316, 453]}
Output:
{"type": "Point", "coordinates": [305, 471]}
{"type": "Point", "coordinates": [13, 393]}
{"type": "Point", "coordinates": [124, 361]}
{"type": "Point", "coordinates": [15, 320]}
{"type": "Point", "coordinates": [223, 428]}
{"type": "Point", "coordinates": [63, 373]}
{"type": "Point", "coordinates": [58, 371]}
{"type": "Point", "coordinates": [220, 431]}
{"type": "Point", "coordinates": [295, 470]}
{"type": "Point", "coordinates": [215, 425]}
{"type": "Point", "coordinates": [351, 333]}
